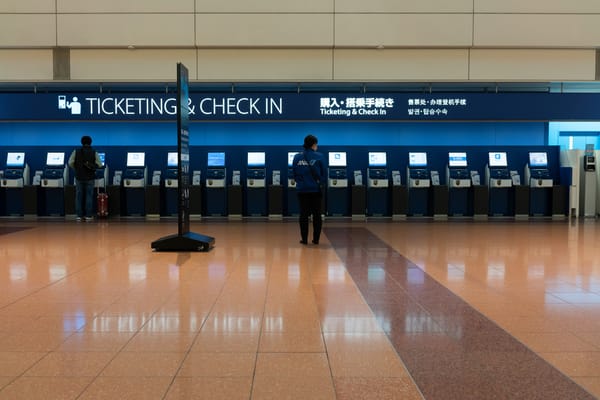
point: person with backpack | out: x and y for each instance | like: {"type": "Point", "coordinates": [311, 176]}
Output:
{"type": "Point", "coordinates": [310, 175]}
{"type": "Point", "coordinates": [84, 161]}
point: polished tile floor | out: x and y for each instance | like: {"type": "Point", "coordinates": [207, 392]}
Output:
{"type": "Point", "coordinates": [378, 310]}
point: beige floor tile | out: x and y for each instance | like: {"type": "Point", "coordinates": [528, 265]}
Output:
{"type": "Point", "coordinates": [114, 324]}
{"type": "Point", "coordinates": [140, 388]}
{"type": "Point", "coordinates": [591, 384]}
{"type": "Point", "coordinates": [160, 342]}
{"type": "Point", "coordinates": [555, 342]}
{"type": "Point", "coordinates": [293, 387]}
{"type": "Point", "coordinates": [362, 355]}
{"type": "Point", "coordinates": [226, 342]}
{"type": "Point", "coordinates": [358, 388]}
{"type": "Point", "coordinates": [292, 364]}
{"type": "Point", "coordinates": [144, 364]}
{"type": "Point", "coordinates": [71, 364]}
{"type": "Point", "coordinates": [96, 341]}
{"type": "Point", "coordinates": [210, 388]}
{"type": "Point", "coordinates": [33, 342]}
{"type": "Point", "coordinates": [291, 342]}
{"type": "Point", "coordinates": [15, 363]}
{"type": "Point", "coordinates": [218, 365]}
{"type": "Point", "coordinates": [44, 388]}
{"type": "Point", "coordinates": [580, 364]}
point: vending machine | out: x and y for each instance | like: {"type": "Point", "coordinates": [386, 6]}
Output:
{"type": "Point", "coordinates": [458, 179]}
{"type": "Point", "coordinates": [337, 184]}
{"type": "Point", "coordinates": [418, 178]}
{"type": "Point", "coordinates": [54, 178]}
{"type": "Point", "coordinates": [377, 184]}
{"type": "Point", "coordinates": [292, 197]}
{"type": "Point", "coordinates": [101, 178]}
{"type": "Point", "coordinates": [499, 181]}
{"type": "Point", "coordinates": [538, 177]}
{"type": "Point", "coordinates": [171, 180]}
{"type": "Point", "coordinates": [256, 192]}
{"type": "Point", "coordinates": [134, 183]}
{"type": "Point", "coordinates": [216, 193]}
{"type": "Point", "coordinates": [16, 177]}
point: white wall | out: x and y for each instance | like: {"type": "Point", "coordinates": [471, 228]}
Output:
{"type": "Point", "coordinates": [324, 40]}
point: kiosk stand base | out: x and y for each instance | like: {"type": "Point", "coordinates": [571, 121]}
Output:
{"type": "Point", "coordinates": [187, 242]}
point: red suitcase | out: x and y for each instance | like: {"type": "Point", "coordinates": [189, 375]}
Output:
{"type": "Point", "coordinates": [102, 204]}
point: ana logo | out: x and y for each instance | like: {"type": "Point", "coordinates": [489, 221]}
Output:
{"type": "Point", "coordinates": [74, 105]}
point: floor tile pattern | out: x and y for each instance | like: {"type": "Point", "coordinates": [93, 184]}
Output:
{"type": "Point", "coordinates": [451, 350]}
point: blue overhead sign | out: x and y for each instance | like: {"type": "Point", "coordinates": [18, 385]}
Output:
{"type": "Point", "coordinates": [303, 107]}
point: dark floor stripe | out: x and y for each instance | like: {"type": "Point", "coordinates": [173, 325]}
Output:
{"type": "Point", "coordinates": [5, 230]}
{"type": "Point", "coordinates": [451, 350]}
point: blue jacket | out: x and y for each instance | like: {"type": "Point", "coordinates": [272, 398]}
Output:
{"type": "Point", "coordinates": [305, 182]}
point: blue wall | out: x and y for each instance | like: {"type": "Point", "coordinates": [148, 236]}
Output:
{"type": "Point", "coordinates": [277, 133]}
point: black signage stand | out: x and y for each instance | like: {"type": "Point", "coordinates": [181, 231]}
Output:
{"type": "Point", "coordinates": [184, 240]}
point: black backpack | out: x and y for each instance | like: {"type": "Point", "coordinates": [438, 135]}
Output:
{"type": "Point", "coordinates": [85, 163]}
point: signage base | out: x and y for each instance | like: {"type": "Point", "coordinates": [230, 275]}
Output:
{"type": "Point", "coordinates": [187, 242]}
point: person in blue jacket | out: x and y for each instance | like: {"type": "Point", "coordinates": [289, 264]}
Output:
{"type": "Point", "coordinates": [310, 176]}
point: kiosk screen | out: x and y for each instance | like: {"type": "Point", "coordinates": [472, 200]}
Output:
{"type": "Point", "coordinates": [135, 160]}
{"type": "Point", "coordinates": [55, 159]}
{"type": "Point", "coordinates": [172, 157]}
{"type": "Point", "coordinates": [102, 157]}
{"type": "Point", "coordinates": [377, 159]}
{"type": "Point", "coordinates": [497, 159]}
{"type": "Point", "coordinates": [256, 159]}
{"type": "Point", "coordinates": [216, 159]}
{"type": "Point", "coordinates": [15, 160]}
{"type": "Point", "coordinates": [457, 159]}
{"type": "Point", "coordinates": [417, 159]}
{"type": "Point", "coordinates": [538, 159]}
{"type": "Point", "coordinates": [337, 159]}
{"type": "Point", "coordinates": [291, 155]}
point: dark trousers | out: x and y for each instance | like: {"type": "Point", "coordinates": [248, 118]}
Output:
{"type": "Point", "coordinates": [84, 195]}
{"type": "Point", "coordinates": [310, 204]}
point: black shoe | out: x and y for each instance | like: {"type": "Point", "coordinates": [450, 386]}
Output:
{"type": "Point", "coordinates": [315, 242]}
{"type": "Point", "coordinates": [303, 242]}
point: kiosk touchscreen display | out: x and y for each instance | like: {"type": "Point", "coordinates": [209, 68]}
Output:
{"type": "Point", "coordinates": [337, 159]}
{"type": "Point", "coordinates": [377, 159]}
{"type": "Point", "coordinates": [458, 159]}
{"type": "Point", "coordinates": [102, 157]}
{"type": "Point", "coordinates": [136, 160]}
{"type": "Point", "coordinates": [172, 159]}
{"type": "Point", "coordinates": [538, 159]}
{"type": "Point", "coordinates": [216, 159]}
{"type": "Point", "coordinates": [256, 159]}
{"type": "Point", "coordinates": [15, 160]}
{"type": "Point", "coordinates": [418, 159]}
{"type": "Point", "coordinates": [497, 159]}
{"type": "Point", "coordinates": [55, 159]}
{"type": "Point", "coordinates": [291, 155]}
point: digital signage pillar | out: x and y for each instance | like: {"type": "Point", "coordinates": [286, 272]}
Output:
{"type": "Point", "coordinates": [184, 240]}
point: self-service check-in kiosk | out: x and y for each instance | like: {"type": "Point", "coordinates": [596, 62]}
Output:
{"type": "Point", "coordinates": [16, 176]}
{"type": "Point", "coordinates": [101, 174]}
{"type": "Point", "coordinates": [337, 184]}
{"type": "Point", "coordinates": [256, 192]}
{"type": "Point", "coordinates": [216, 194]}
{"type": "Point", "coordinates": [458, 179]}
{"type": "Point", "coordinates": [417, 175]}
{"type": "Point", "coordinates": [171, 182]}
{"type": "Point", "coordinates": [537, 176]}
{"type": "Point", "coordinates": [587, 177]}
{"type": "Point", "coordinates": [134, 184]}
{"type": "Point", "coordinates": [377, 184]}
{"type": "Point", "coordinates": [292, 197]}
{"type": "Point", "coordinates": [54, 178]}
{"type": "Point", "coordinates": [499, 181]}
